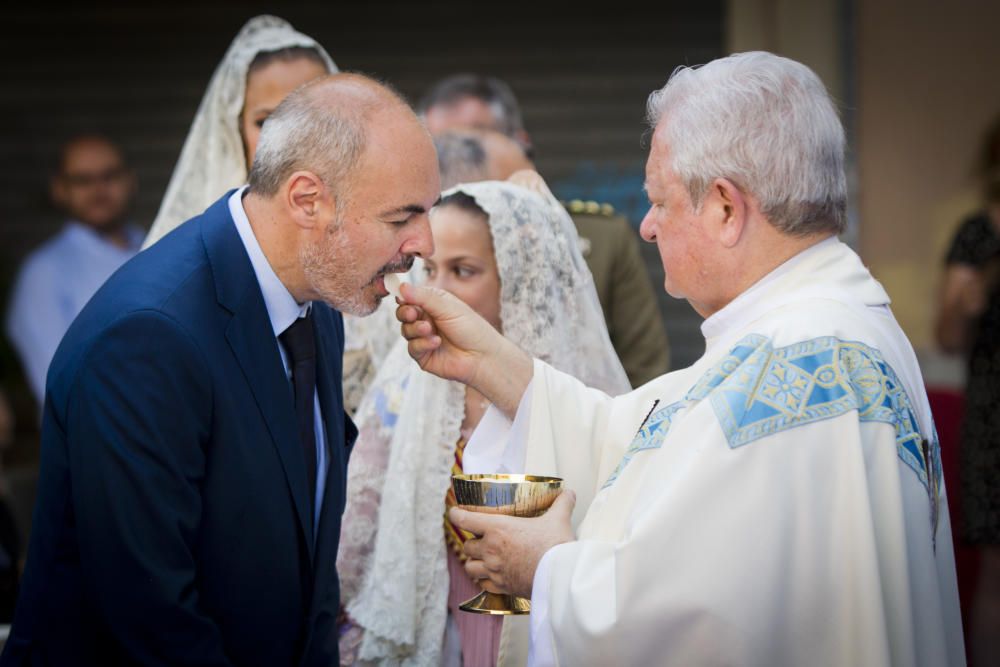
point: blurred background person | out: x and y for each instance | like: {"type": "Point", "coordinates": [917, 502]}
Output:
{"type": "Point", "coordinates": [968, 322]}
{"type": "Point", "coordinates": [467, 155]}
{"type": "Point", "coordinates": [93, 186]}
{"type": "Point", "coordinates": [609, 245]}
{"type": "Point", "coordinates": [474, 101]}
{"type": "Point", "coordinates": [512, 255]}
{"type": "Point", "coordinates": [461, 157]}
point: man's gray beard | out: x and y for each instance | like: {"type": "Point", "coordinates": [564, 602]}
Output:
{"type": "Point", "coordinates": [329, 266]}
{"type": "Point", "coordinates": [358, 306]}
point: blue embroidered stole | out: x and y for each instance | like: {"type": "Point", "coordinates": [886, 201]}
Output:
{"type": "Point", "coordinates": [758, 390]}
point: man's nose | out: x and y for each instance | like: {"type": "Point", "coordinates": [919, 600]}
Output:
{"type": "Point", "coordinates": [647, 228]}
{"type": "Point", "coordinates": [420, 242]}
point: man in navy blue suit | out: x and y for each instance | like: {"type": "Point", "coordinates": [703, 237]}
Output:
{"type": "Point", "coordinates": [194, 440]}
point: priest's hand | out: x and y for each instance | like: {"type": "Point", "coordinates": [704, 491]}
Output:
{"type": "Point", "coordinates": [449, 339]}
{"type": "Point", "coordinates": [506, 552]}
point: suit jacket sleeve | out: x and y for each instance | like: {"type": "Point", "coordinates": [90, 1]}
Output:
{"type": "Point", "coordinates": [138, 417]}
{"type": "Point", "coordinates": [635, 324]}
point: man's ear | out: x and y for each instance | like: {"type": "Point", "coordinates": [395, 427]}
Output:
{"type": "Point", "coordinates": [730, 207]}
{"type": "Point", "coordinates": [307, 198]}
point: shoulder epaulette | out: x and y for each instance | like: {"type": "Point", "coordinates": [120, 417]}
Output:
{"type": "Point", "coordinates": [589, 207]}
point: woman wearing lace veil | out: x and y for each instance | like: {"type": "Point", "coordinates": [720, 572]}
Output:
{"type": "Point", "coordinates": [512, 255]}
{"type": "Point", "coordinates": [268, 59]}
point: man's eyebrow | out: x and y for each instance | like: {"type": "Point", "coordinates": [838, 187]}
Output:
{"type": "Point", "coordinates": [410, 209]}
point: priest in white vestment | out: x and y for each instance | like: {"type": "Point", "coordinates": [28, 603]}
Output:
{"type": "Point", "coordinates": [779, 502]}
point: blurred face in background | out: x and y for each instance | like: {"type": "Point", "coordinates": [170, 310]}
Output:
{"type": "Point", "coordinates": [463, 262]}
{"type": "Point", "coordinates": [267, 86]}
{"type": "Point", "coordinates": [472, 113]}
{"type": "Point", "coordinates": [467, 112]}
{"type": "Point", "coordinates": [94, 185]}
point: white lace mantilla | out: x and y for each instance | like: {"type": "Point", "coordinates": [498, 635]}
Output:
{"type": "Point", "coordinates": [212, 161]}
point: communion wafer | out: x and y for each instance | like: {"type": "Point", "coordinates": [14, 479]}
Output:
{"type": "Point", "coordinates": [392, 284]}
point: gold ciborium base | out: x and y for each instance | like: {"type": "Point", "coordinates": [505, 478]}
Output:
{"type": "Point", "coordinates": [497, 604]}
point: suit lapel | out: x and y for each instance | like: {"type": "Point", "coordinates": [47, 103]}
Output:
{"type": "Point", "coordinates": [251, 338]}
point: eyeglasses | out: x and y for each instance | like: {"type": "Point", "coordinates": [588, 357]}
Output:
{"type": "Point", "coordinates": [90, 179]}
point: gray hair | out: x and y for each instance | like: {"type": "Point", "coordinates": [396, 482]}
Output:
{"type": "Point", "coordinates": [493, 92]}
{"type": "Point", "coordinates": [767, 124]}
{"type": "Point", "coordinates": [306, 132]}
{"type": "Point", "coordinates": [461, 159]}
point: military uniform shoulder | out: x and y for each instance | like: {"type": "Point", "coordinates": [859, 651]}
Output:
{"type": "Point", "coordinates": [589, 207]}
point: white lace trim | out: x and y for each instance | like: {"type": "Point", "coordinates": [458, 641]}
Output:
{"type": "Point", "coordinates": [212, 161]}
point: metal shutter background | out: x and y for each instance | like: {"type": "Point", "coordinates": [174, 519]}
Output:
{"type": "Point", "coordinates": [137, 72]}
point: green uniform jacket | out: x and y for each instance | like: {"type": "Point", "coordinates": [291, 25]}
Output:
{"type": "Point", "coordinates": [635, 324]}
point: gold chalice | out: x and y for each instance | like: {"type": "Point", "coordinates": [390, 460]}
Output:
{"type": "Point", "coordinates": [513, 495]}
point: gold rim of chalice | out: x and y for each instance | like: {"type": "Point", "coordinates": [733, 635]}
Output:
{"type": "Point", "coordinates": [506, 478]}
{"type": "Point", "coordinates": [513, 495]}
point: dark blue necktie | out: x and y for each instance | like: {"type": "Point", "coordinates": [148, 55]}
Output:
{"type": "Point", "coordinates": [300, 343]}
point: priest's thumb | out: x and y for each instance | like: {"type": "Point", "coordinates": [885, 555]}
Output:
{"type": "Point", "coordinates": [435, 302]}
{"type": "Point", "coordinates": [562, 508]}
{"type": "Point", "coordinates": [450, 316]}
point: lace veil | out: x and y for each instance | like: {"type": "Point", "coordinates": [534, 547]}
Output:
{"type": "Point", "coordinates": [212, 160]}
{"type": "Point", "coordinates": [392, 558]}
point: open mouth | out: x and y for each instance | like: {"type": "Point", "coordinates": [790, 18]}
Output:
{"type": "Point", "coordinates": [391, 270]}
{"type": "Point", "coordinates": [388, 284]}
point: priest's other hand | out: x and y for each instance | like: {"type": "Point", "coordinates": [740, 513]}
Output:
{"type": "Point", "coordinates": [449, 339]}
{"type": "Point", "coordinates": [505, 555]}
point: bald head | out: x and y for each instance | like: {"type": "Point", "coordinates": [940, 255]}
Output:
{"type": "Point", "coordinates": [324, 127]}
{"type": "Point", "coordinates": [347, 91]}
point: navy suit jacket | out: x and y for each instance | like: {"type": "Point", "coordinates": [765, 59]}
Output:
{"type": "Point", "coordinates": [173, 523]}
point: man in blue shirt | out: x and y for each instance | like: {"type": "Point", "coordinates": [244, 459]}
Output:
{"type": "Point", "coordinates": [93, 186]}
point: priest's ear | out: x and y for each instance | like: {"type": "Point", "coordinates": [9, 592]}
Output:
{"type": "Point", "coordinates": [730, 211]}
{"type": "Point", "coordinates": [309, 202]}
